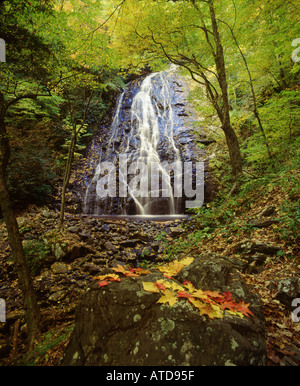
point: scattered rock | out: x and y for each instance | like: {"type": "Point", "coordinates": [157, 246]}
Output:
{"type": "Point", "coordinates": [57, 296]}
{"type": "Point", "coordinates": [74, 229]}
{"type": "Point", "coordinates": [268, 211]}
{"type": "Point", "coordinates": [174, 231]}
{"type": "Point", "coordinates": [129, 243]}
{"type": "Point", "coordinates": [256, 263]}
{"type": "Point", "coordinates": [59, 268]}
{"type": "Point", "coordinates": [247, 246]}
{"type": "Point", "coordinates": [267, 249]}
{"type": "Point", "coordinates": [287, 290]}
{"type": "Point", "coordinates": [258, 223]}
{"type": "Point", "coordinates": [91, 268]}
{"type": "Point", "coordinates": [110, 247]}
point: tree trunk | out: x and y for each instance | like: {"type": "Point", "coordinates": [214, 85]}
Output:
{"type": "Point", "coordinates": [67, 175]}
{"type": "Point", "coordinates": [231, 138]}
{"type": "Point", "coordinates": [32, 313]}
{"type": "Point", "coordinates": [234, 149]}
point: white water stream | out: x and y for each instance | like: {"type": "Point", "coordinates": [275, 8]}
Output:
{"type": "Point", "coordinates": [152, 121]}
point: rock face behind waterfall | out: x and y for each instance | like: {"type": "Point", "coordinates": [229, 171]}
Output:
{"type": "Point", "coordinates": [150, 123]}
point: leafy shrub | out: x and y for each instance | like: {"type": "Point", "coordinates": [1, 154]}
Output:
{"type": "Point", "coordinates": [36, 252]}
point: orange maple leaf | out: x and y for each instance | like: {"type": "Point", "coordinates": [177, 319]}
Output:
{"type": "Point", "coordinates": [121, 269]}
{"type": "Point", "coordinates": [103, 283]}
{"type": "Point", "coordinates": [243, 308]}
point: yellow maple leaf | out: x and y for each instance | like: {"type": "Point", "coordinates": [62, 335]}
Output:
{"type": "Point", "coordinates": [186, 261]}
{"type": "Point", "coordinates": [199, 294]}
{"type": "Point", "coordinates": [235, 313]}
{"type": "Point", "coordinates": [168, 297]}
{"type": "Point", "coordinates": [171, 284]}
{"type": "Point", "coordinates": [150, 287]}
{"type": "Point", "coordinates": [175, 266]}
{"type": "Point", "coordinates": [189, 286]}
{"type": "Point", "coordinates": [112, 276]}
{"type": "Point", "coordinates": [211, 310]}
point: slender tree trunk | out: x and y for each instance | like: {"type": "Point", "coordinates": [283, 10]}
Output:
{"type": "Point", "coordinates": [281, 72]}
{"type": "Point", "coordinates": [67, 175]}
{"type": "Point", "coordinates": [32, 313]}
{"type": "Point", "coordinates": [231, 138]}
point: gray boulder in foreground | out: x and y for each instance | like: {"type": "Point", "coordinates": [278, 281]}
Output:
{"type": "Point", "coordinates": [123, 325]}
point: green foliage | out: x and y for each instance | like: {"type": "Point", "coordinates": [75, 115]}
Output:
{"type": "Point", "coordinates": [36, 252]}
{"type": "Point", "coordinates": [51, 341]}
{"type": "Point", "coordinates": [289, 211]}
{"type": "Point", "coordinates": [281, 118]}
{"type": "Point", "coordinates": [31, 179]}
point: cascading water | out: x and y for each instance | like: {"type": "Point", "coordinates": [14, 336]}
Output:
{"type": "Point", "coordinates": [133, 175]}
{"type": "Point", "coordinates": [152, 119]}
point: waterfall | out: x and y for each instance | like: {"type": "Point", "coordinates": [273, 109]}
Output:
{"type": "Point", "coordinates": [152, 118]}
{"type": "Point", "coordinates": [139, 159]}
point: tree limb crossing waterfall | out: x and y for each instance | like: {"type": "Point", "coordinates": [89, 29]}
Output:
{"type": "Point", "coordinates": [146, 163]}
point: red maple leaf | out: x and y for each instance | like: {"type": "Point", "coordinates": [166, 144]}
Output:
{"type": "Point", "coordinates": [160, 286]}
{"type": "Point", "coordinates": [183, 294]}
{"type": "Point", "coordinates": [114, 279]}
{"type": "Point", "coordinates": [227, 296]}
{"type": "Point", "coordinates": [243, 308]}
{"type": "Point", "coordinates": [102, 283]}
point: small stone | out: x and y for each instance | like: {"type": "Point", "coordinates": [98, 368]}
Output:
{"type": "Point", "coordinates": [268, 211]}
{"type": "Point", "coordinates": [59, 268]}
{"type": "Point", "coordinates": [57, 296]}
{"type": "Point", "coordinates": [110, 247]}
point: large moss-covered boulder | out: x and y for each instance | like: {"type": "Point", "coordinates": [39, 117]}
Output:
{"type": "Point", "coordinates": [122, 323]}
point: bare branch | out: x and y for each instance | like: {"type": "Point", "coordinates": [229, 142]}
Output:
{"type": "Point", "coordinates": [109, 17]}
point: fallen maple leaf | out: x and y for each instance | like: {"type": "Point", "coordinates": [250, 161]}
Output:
{"type": "Point", "coordinates": [150, 287]}
{"type": "Point", "coordinates": [110, 276]}
{"type": "Point", "coordinates": [243, 308]}
{"type": "Point", "coordinates": [227, 296]}
{"type": "Point", "coordinates": [183, 294]}
{"type": "Point", "coordinates": [140, 271]}
{"type": "Point", "coordinates": [212, 311]}
{"type": "Point", "coordinates": [199, 294]}
{"type": "Point", "coordinates": [189, 286]}
{"type": "Point", "coordinates": [160, 286]}
{"type": "Point", "coordinates": [215, 295]}
{"type": "Point", "coordinates": [121, 269]}
{"type": "Point", "coordinates": [114, 279]}
{"type": "Point", "coordinates": [175, 266]}
{"type": "Point", "coordinates": [102, 283]}
{"type": "Point", "coordinates": [171, 284]}
{"type": "Point", "coordinates": [168, 297]}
